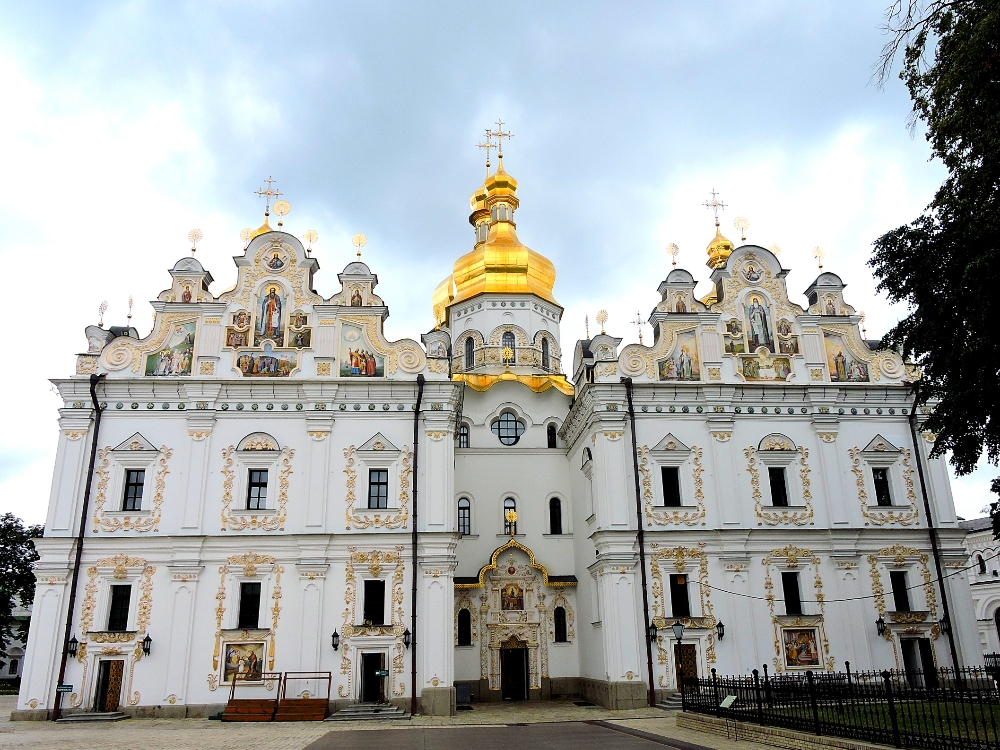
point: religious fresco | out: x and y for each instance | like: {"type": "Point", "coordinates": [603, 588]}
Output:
{"type": "Point", "coordinates": [300, 339]}
{"type": "Point", "coordinates": [241, 319]}
{"type": "Point", "coordinates": [176, 357]}
{"type": "Point", "coordinates": [512, 598]}
{"type": "Point", "coordinates": [679, 305]}
{"type": "Point", "coordinates": [236, 338]}
{"type": "Point", "coordinates": [844, 367]}
{"type": "Point", "coordinates": [355, 359]}
{"type": "Point", "coordinates": [752, 273]}
{"type": "Point", "coordinates": [271, 305]}
{"type": "Point", "coordinates": [244, 661]}
{"type": "Point", "coordinates": [801, 647]}
{"type": "Point", "coordinates": [789, 345]}
{"type": "Point", "coordinates": [683, 364]}
{"type": "Point", "coordinates": [764, 367]}
{"type": "Point", "coordinates": [276, 261]}
{"type": "Point", "coordinates": [829, 308]}
{"type": "Point", "coordinates": [356, 297]}
{"type": "Point", "coordinates": [436, 349]}
{"type": "Point", "coordinates": [760, 332]}
{"type": "Point", "coordinates": [267, 364]}
{"type": "Point", "coordinates": [298, 320]}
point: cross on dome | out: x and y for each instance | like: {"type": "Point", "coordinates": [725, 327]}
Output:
{"type": "Point", "coordinates": [715, 204]}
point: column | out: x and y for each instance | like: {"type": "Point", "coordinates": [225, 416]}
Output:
{"type": "Point", "coordinates": [72, 454]}
{"type": "Point", "coordinates": [44, 649]}
{"type": "Point", "coordinates": [435, 627]}
{"type": "Point", "coordinates": [838, 502]}
{"type": "Point", "coordinates": [183, 591]}
{"type": "Point", "coordinates": [725, 468]}
{"type": "Point", "coordinates": [199, 425]}
{"type": "Point", "coordinates": [319, 428]}
{"type": "Point", "coordinates": [312, 579]}
{"type": "Point", "coordinates": [614, 494]}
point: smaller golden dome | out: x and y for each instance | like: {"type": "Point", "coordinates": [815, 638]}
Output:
{"type": "Point", "coordinates": [719, 250]}
{"type": "Point", "coordinates": [500, 179]}
{"type": "Point", "coordinates": [262, 229]}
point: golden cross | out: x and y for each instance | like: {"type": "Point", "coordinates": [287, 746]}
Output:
{"type": "Point", "coordinates": [715, 204]}
{"type": "Point", "coordinates": [489, 146]}
{"type": "Point", "coordinates": [500, 135]}
{"type": "Point", "coordinates": [640, 323]}
{"type": "Point", "coordinates": [268, 194]}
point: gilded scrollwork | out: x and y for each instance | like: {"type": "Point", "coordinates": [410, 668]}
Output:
{"type": "Point", "coordinates": [879, 515]}
{"type": "Point", "coordinates": [398, 517]}
{"type": "Point", "coordinates": [636, 359]}
{"type": "Point", "coordinates": [145, 522]}
{"type": "Point", "coordinates": [769, 515]}
{"type": "Point", "coordinates": [406, 355]}
{"type": "Point", "coordinates": [662, 516]}
{"type": "Point", "coordinates": [679, 557]}
{"type": "Point", "coordinates": [125, 351]}
{"type": "Point", "coordinates": [790, 557]}
{"type": "Point", "coordinates": [242, 520]}
{"type": "Point", "coordinates": [253, 272]}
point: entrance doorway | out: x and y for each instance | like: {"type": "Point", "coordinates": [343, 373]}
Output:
{"type": "Point", "coordinates": [514, 670]}
{"type": "Point", "coordinates": [373, 673]}
{"type": "Point", "coordinates": [918, 662]}
{"type": "Point", "coordinates": [686, 659]}
{"type": "Point", "coordinates": [109, 685]}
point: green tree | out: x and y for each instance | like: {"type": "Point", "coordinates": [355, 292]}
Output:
{"type": "Point", "coordinates": [945, 265]}
{"type": "Point", "coordinates": [17, 580]}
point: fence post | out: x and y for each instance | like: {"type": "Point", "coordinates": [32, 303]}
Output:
{"type": "Point", "coordinates": [680, 684]}
{"type": "Point", "coordinates": [767, 688]}
{"type": "Point", "coordinates": [715, 691]}
{"type": "Point", "coordinates": [887, 678]}
{"type": "Point", "coordinates": [756, 690]}
{"type": "Point", "coordinates": [812, 701]}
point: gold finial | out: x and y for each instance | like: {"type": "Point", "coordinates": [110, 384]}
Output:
{"type": "Point", "coordinates": [862, 321]}
{"type": "Point", "coordinates": [715, 204]}
{"type": "Point", "coordinates": [130, 311]}
{"type": "Point", "coordinates": [639, 323]}
{"type": "Point", "coordinates": [267, 194]}
{"type": "Point", "coordinates": [602, 318]}
{"type": "Point", "coordinates": [310, 236]}
{"type": "Point", "coordinates": [508, 356]}
{"type": "Point", "coordinates": [246, 235]}
{"type": "Point", "coordinates": [281, 208]}
{"type": "Point", "coordinates": [586, 326]}
{"type": "Point", "coordinates": [101, 309]}
{"type": "Point", "coordinates": [819, 254]}
{"type": "Point", "coordinates": [359, 241]}
{"type": "Point", "coordinates": [511, 516]}
{"type": "Point", "coordinates": [743, 224]}
{"type": "Point", "coordinates": [672, 251]}
{"type": "Point", "coordinates": [775, 249]}
{"type": "Point", "coordinates": [489, 145]}
{"type": "Point", "coordinates": [499, 134]}
{"type": "Point", "coordinates": [193, 237]}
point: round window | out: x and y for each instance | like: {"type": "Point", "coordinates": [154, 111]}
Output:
{"type": "Point", "coordinates": [508, 428]}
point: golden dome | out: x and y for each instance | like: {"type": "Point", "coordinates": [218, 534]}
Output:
{"type": "Point", "coordinates": [443, 295]}
{"type": "Point", "coordinates": [719, 250]}
{"type": "Point", "coordinates": [262, 229]}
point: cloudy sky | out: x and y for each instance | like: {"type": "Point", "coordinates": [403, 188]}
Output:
{"type": "Point", "coordinates": [128, 124]}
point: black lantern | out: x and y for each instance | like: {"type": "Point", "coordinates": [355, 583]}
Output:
{"type": "Point", "coordinates": [880, 625]}
{"type": "Point", "coordinates": [72, 646]}
{"type": "Point", "coordinates": [406, 637]}
{"type": "Point", "coordinates": [652, 632]}
{"type": "Point", "coordinates": [946, 625]}
{"type": "Point", "coordinates": [720, 628]}
{"type": "Point", "coordinates": [336, 640]}
{"type": "Point", "coordinates": [678, 628]}
{"type": "Point", "coordinates": [147, 644]}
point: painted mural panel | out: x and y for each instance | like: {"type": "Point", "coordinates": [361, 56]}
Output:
{"type": "Point", "coordinates": [844, 367]}
{"type": "Point", "coordinates": [760, 331]}
{"type": "Point", "coordinates": [512, 598]}
{"type": "Point", "coordinates": [267, 364]}
{"type": "Point", "coordinates": [356, 359]}
{"type": "Point", "coordinates": [801, 647]}
{"type": "Point", "coordinates": [244, 661]}
{"type": "Point", "coordinates": [270, 324]}
{"type": "Point", "coordinates": [766, 368]}
{"type": "Point", "coordinates": [683, 364]}
{"type": "Point", "coordinates": [175, 358]}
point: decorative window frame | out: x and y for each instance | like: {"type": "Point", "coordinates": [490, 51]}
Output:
{"type": "Point", "coordinates": [113, 463]}
{"type": "Point", "coordinates": [880, 453]}
{"type": "Point", "coordinates": [789, 559]}
{"type": "Point", "coordinates": [378, 453]}
{"type": "Point", "coordinates": [779, 450]}
{"type": "Point", "coordinates": [560, 600]}
{"type": "Point", "coordinates": [250, 566]}
{"type": "Point", "coordinates": [255, 451]}
{"type": "Point", "coordinates": [672, 452]}
{"type": "Point", "coordinates": [463, 600]}
{"type": "Point", "coordinates": [921, 622]}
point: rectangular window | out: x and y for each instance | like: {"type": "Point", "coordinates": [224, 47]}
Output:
{"type": "Point", "coordinates": [880, 476]}
{"type": "Point", "coordinates": [779, 491]}
{"type": "Point", "coordinates": [671, 486]}
{"type": "Point", "coordinates": [249, 605]}
{"type": "Point", "coordinates": [790, 589]}
{"type": "Point", "coordinates": [118, 611]}
{"type": "Point", "coordinates": [464, 518]}
{"type": "Point", "coordinates": [14, 663]}
{"type": "Point", "coordinates": [378, 488]}
{"type": "Point", "coordinates": [900, 593]}
{"type": "Point", "coordinates": [257, 489]}
{"type": "Point", "coordinates": [374, 604]}
{"type": "Point", "coordinates": [134, 481]}
{"type": "Point", "coordinates": [680, 605]}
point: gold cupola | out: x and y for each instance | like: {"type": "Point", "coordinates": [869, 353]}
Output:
{"type": "Point", "coordinates": [719, 249]}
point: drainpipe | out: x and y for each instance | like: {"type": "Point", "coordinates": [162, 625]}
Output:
{"type": "Point", "coordinates": [413, 544]}
{"type": "Point", "coordinates": [94, 380]}
{"type": "Point", "coordinates": [932, 532]}
{"type": "Point", "coordinates": [642, 544]}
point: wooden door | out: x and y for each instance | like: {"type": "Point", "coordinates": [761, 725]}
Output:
{"type": "Point", "coordinates": [686, 660]}
{"type": "Point", "coordinates": [109, 685]}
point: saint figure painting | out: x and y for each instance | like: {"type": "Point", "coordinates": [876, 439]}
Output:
{"type": "Point", "coordinates": [844, 366]}
{"type": "Point", "coordinates": [759, 332]}
{"type": "Point", "coordinates": [269, 324]}
{"type": "Point", "coordinates": [683, 363]}
{"type": "Point", "coordinates": [175, 358]}
{"type": "Point", "coordinates": [244, 661]}
{"type": "Point", "coordinates": [512, 598]}
{"type": "Point", "coordinates": [801, 647]}
{"type": "Point", "coordinates": [356, 358]}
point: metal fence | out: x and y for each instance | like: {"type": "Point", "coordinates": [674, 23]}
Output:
{"type": "Point", "coordinates": [944, 709]}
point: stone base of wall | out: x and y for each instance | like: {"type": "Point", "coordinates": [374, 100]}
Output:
{"type": "Point", "coordinates": [615, 695]}
{"type": "Point", "coordinates": [439, 701]}
{"type": "Point", "coordinates": [778, 737]}
{"type": "Point", "coordinates": [193, 711]}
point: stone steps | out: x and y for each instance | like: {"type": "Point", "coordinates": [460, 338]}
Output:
{"type": "Point", "coordinates": [370, 712]}
{"type": "Point", "coordinates": [671, 703]}
{"type": "Point", "coordinates": [94, 716]}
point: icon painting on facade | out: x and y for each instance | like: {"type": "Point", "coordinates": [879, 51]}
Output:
{"type": "Point", "coordinates": [244, 661]}
{"type": "Point", "coordinates": [267, 364]}
{"type": "Point", "coordinates": [801, 647]}
{"type": "Point", "coordinates": [356, 360]}
{"type": "Point", "coordinates": [176, 357]}
{"type": "Point", "coordinates": [763, 367]}
{"type": "Point", "coordinates": [269, 323]}
{"type": "Point", "coordinates": [512, 598]}
{"type": "Point", "coordinates": [276, 262]}
{"type": "Point", "coordinates": [844, 368]}
{"type": "Point", "coordinates": [759, 331]}
{"type": "Point", "coordinates": [683, 363]}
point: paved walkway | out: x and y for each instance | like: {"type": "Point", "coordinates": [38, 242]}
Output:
{"type": "Point", "coordinates": [555, 725]}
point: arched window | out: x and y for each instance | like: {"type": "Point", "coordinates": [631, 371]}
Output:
{"type": "Point", "coordinates": [464, 516]}
{"type": "Point", "coordinates": [555, 516]}
{"type": "Point", "coordinates": [981, 563]}
{"type": "Point", "coordinates": [463, 436]}
{"type": "Point", "coordinates": [508, 527]}
{"type": "Point", "coordinates": [470, 353]}
{"type": "Point", "coordinates": [559, 616]}
{"type": "Point", "coordinates": [546, 359]}
{"type": "Point", "coordinates": [508, 428]}
{"type": "Point", "coordinates": [507, 341]}
{"type": "Point", "coordinates": [550, 433]}
{"type": "Point", "coordinates": [464, 628]}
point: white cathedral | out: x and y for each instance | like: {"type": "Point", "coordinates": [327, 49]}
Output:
{"type": "Point", "coordinates": [264, 484]}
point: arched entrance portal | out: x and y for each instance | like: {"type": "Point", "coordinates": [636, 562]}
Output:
{"type": "Point", "coordinates": [514, 669]}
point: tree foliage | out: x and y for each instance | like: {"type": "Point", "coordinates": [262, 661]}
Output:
{"type": "Point", "coordinates": [945, 265]}
{"type": "Point", "coordinates": [17, 580]}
